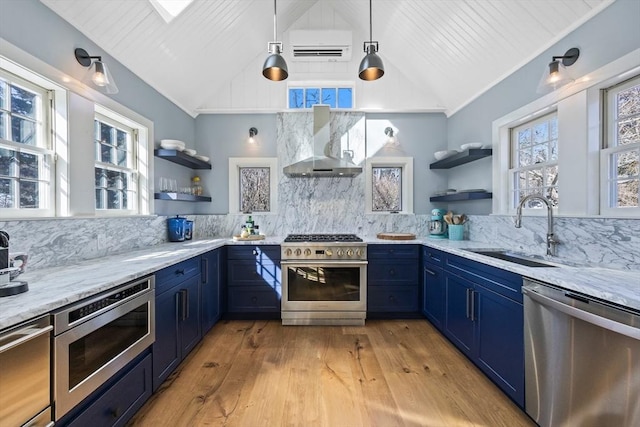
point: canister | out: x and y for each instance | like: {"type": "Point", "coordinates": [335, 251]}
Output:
{"type": "Point", "coordinates": [176, 228]}
{"type": "Point", "coordinates": [188, 230]}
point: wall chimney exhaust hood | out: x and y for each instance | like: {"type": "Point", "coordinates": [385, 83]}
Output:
{"type": "Point", "coordinates": [322, 164]}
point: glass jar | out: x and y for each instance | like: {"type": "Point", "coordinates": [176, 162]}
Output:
{"type": "Point", "coordinates": [196, 187]}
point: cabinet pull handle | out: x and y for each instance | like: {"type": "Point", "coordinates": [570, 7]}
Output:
{"type": "Point", "coordinates": [392, 272]}
{"type": "Point", "coordinates": [473, 306]}
{"type": "Point", "coordinates": [205, 270]}
{"type": "Point", "coordinates": [433, 273]}
{"type": "Point", "coordinates": [186, 304]}
{"type": "Point", "coordinates": [255, 252]}
{"type": "Point", "coordinates": [468, 306]}
{"type": "Point", "coordinates": [115, 412]}
{"type": "Point", "coordinates": [392, 298]}
{"type": "Point", "coordinates": [180, 272]}
{"type": "Point", "coordinates": [254, 300]}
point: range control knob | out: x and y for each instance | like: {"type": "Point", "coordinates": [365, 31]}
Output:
{"type": "Point", "coordinates": [298, 252]}
{"type": "Point", "coordinates": [307, 252]}
{"type": "Point", "coordinates": [340, 252]}
{"type": "Point", "coordinates": [328, 252]}
{"type": "Point", "coordinates": [349, 252]}
{"type": "Point", "coordinates": [288, 252]}
{"type": "Point", "coordinates": [358, 252]}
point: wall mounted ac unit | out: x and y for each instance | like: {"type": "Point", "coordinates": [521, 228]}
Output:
{"type": "Point", "coordinates": [320, 45]}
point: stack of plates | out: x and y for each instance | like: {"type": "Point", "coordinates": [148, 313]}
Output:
{"type": "Point", "coordinates": [203, 158]}
{"type": "Point", "coordinates": [464, 147]}
{"type": "Point", "coordinates": [189, 151]}
{"type": "Point", "coordinates": [172, 144]}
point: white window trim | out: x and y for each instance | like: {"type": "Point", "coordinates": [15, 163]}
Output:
{"type": "Point", "coordinates": [579, 103]}
{"type": "Point", "coordinates": [235, 163]}
{"type": "Point", "coordinates": [406, 163]}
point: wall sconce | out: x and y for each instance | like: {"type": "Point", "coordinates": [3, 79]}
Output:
{"type": "Point", "coordinates": [392, 138]}
{"type": "Point", "coordinates": [252, 133]}
{"type": "Point", "coordinates": [275, 67]}
{"type": "Point", "coordinates": [556, 75]}
{"type": "Point", "coordinates": [371, 67]}
{"type": "Point", "coordinates": [98, 71]}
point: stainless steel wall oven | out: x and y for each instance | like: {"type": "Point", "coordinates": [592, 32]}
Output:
{"type": "Point", "coordinates": [324, 280]}
{"type": "Point", "coordinates": [97, 337]}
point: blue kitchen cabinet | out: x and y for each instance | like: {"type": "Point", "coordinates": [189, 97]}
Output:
{"type": "Point", "coordinates": [210, 304]}
{"type": "Point", "coordinates": [177, 316]}
{"type": "Point", "coordinates": [254, 281]}
{"type": "Point", "coordinates": [433, 286]}
{"type": "Point", "coordinates": [484, 318]}
{"type": "Point", "coordinates": [393, 281]}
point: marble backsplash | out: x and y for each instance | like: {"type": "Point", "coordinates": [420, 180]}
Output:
{"type": "Point", "coordinates": [613, 243]}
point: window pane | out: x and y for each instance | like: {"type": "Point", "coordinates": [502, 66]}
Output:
{"type": "Point", "coordinates": [627, 193]}
{"type": "Point", "coordinates": [552, 176]}
{"type": "Point", "coordinates": [627, 164]}
{"type": "Point", "coordinates": [116, 199]}
{"type": "Point", "coordinates": [345, 97]}
{"type": "Point", "coordinates": [121, 158]}
{"type": "Point", "coordinates": [329, 96]}
{"type": "Point", "coordinates": [121, 139]}
{"type": "Point", "coordinates": [3, 126]}
{"type": "Point", "coordinates": [23, 131]}
{"type": "Point", "coordinates": [552, 195]}
{"type": "Point", "coordinates": [106, 136]}
{"type": "Point", "coordinates": [387, 189]}
{"type": "Point", "coordinates": [255, 189]}
{"type": "Point", "coordinates": [540, 153]}
{"type": "Point", "coordinates": [101, 198]}
{"type": "Point", "coordinates": [101, 177]}
{"type": "Point", "coordinates": [312, 97]}
{"type": "Point", "coordinates": [3, 95]}
{"type": "Point", "coordinates": [29, 197]}
{"type": "Point", "coordinates": [629, 131]}
{"type": "Point", "coordinates": [8, 162]}
{"type": "Point", "coordinates": [535, 179]}
{"type": "Point", "coordinates": [541, 132]}
{"type": "Point", "coordinates": [7, 195]}
{"type": "Point", "coordinates": [23, 102]}
{"type": "Point", "coordinates": [296, 98]}
{"type": "Point", "coordinates": [553, 128]}
{"type": "Point", "coordinates": [105, 153]}
{"type": "Point", "coordinates": [524, 138]}
{"type": "Point", "coordinates": [28, 165]}
{"type": "Point", "coordinates": [553, 149]}
{"type": "Point", "coordinates": [628, 102]}
{"type": "Point", "coordinates": [524, 157]}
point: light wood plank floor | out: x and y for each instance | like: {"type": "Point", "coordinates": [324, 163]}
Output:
{"type": "Point", "coordinates": [387, 373]}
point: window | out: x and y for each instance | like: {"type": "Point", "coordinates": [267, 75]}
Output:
{"type": "Point", "coordinates": [534, 161]}
{"type": "Point", "coordinates": [26, 155]}
{"type": "Point", "coordinates": [621, 152]}
{"type": "Point", "coordinates": [389, 185]}
{"type": "Point", "coordinates": [305, 97]}
{"type": "Point", "coordinates": [252, 184]}
{"type": "Point", "coordinates": [115, 172]}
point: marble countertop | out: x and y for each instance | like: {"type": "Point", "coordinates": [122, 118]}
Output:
{"type": "Point", "coordinates": [53, 288]}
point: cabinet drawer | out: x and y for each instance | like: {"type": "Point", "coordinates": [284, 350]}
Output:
{"type": "Point", "coordinates": [398, 272]}
{"type": "Point", "coordinates": [121, 401]}
{"type": "Point", "coordinates": [392, 298]}
{"type": "Point", "coordinates": [253, 299]}
{"type": "Point", "coordinates": [171, 276]}
{"type": "Point", "coordinates": [262, 253]}
{"type": "Point", "coordinates": [432, 256]}
{"type": "Point", "coordinates": [387, 251]}
{"type": "Point", "coordinates": [500, 281]}
{"type": "Point", "coordinates": [250, 273]}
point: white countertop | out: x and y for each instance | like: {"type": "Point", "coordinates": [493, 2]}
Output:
{"type": "Point", "coordinates": [53, 288]}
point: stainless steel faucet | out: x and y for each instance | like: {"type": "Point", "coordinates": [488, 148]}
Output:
{"type": "Point", "coordinates": [551, 241]}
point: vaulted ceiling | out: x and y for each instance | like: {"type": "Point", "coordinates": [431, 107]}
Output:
{"type": "Point", "coordinates": [452, 50]}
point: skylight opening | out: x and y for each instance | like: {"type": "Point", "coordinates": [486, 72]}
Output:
{"type": "Point", "coordinates": [169, 9]}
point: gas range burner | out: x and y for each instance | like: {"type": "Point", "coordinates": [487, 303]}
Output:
{"type": "Point", "coordinates": [321, 238]}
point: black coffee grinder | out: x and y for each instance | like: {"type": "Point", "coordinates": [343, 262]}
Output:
{"type": "Point", "coordinates": [8, 287]}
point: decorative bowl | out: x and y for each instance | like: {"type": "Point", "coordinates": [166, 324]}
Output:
{"type": "Point", "coordinates": [439, 155]}
{"type": "Point", "coordinates": [172, 144]}
{"type": "Point", "coordinates": [189, 151]}
{"type": "Point", "coordinates": [203, 158]}
{"type": "Point", "coordinates": [470, 145]}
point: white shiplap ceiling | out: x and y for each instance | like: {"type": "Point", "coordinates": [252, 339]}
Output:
{"type": "Point", "coordinates": [453, 49]}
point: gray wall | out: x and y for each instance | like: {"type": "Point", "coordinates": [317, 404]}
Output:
{"type": "Point", "coordinates": [609, 35]}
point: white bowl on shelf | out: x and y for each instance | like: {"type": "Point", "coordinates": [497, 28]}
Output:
{"type": "Point", "coordinates": [189, 151]}
{"type": "Point", "coordinates": [464, 147]}
{"type": "Point", "coordinates": [203, 158]}
{"type": "Point", "coordinates": [439, 155]}
{"type": "Point", "coordinates": [172, 144]}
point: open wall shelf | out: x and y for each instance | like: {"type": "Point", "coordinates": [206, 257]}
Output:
{"type": "Point", "coordinates": [180, 197]}
{"type": "Point", "coordinates": [462, 196]}
{"type": "Point", "coordinates": [461, 158]}
{"type": "Point", "coordinates": [181, 158]}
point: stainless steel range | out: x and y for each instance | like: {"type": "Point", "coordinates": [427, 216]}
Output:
{"type": "Point", "coordinates": [324, 279]}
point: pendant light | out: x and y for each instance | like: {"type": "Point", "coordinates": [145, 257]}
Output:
{"type": "Point", "coordinates": [371, 67]}
{"type": "Point", "coordinates": [275, 67]}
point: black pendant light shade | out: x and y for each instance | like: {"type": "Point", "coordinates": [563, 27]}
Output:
{"type": "Point", "coordinates": [275, 67]}
{"type": "Point", "coordinates": [371, 67]}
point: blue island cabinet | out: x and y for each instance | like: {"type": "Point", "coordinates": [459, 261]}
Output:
{"type": "Point", "coordinates": [177, 316]}
{"type": "Point", "coordinates": [484, 319]}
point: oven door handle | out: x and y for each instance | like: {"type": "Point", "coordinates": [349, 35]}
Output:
{"type": "Point", "coordinates": [329, 263]}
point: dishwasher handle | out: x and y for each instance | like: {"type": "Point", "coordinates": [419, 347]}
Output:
{"type": "Point", "coordinates": [603, 322]}
{"type": "Point", "coordinates": [31, 334]}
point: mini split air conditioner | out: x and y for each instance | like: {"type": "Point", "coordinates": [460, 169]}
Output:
{"type": "Point", "coordinates": [320, 45]}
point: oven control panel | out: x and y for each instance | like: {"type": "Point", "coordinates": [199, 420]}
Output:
{"type": "Point", "coordinates": [324, 252]}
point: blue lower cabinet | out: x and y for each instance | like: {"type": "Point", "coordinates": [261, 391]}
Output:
{"type": "Point", "coordinates": [433, 294]}
{"type": "Point", "coordinates": [118, 402]}
{"type": "Point", "coordinates": [211, 301]}
{"type": "Point", "coordinates": [459, 325]}
{"type": "Point", "coordinates": [392, 299]}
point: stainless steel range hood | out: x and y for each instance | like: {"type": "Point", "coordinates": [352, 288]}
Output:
{"type": "Point", "coordinates": [322, 164]}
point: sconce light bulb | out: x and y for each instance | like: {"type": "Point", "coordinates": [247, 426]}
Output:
{"type": "Point", "coordinates": [100, 76]}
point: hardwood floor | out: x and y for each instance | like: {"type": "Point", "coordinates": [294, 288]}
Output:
{"type": "Point", "coordinates": [387, 373]}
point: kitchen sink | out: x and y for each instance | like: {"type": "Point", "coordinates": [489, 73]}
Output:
{"type": "Point", "coordinates": [516, 258]}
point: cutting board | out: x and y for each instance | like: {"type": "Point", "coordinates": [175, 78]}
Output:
{"type": "Point", "coordinates": [396, 236]}
{"type": "Point", "coordinates": [237, 237]}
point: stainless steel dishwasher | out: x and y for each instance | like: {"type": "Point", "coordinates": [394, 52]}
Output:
{"type": "Point", "coordinates": [582, 359]}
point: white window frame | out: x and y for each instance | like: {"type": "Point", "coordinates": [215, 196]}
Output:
{"type": "Point", "coordinates": [22, 77]}
{"type": "Point", "coordinates": [319, 84]}
{"type": "Point", "coordinates": [580, 130]}
{"type": "Point", "coordinates": [610, 149]}
{"type": "Point", "coordinates": [406, 163]}
{"type": "Point", "coordinates": [235, 164]}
